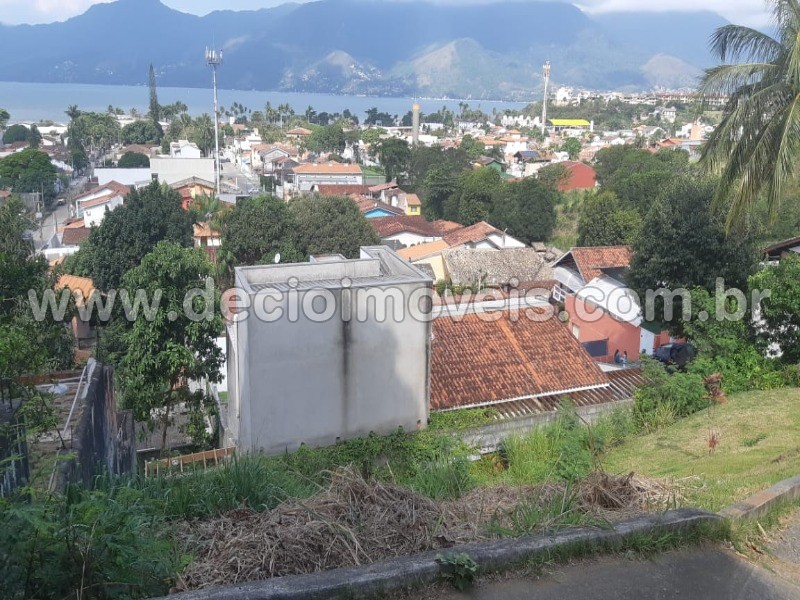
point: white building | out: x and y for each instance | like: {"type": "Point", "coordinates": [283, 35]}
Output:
{"type": "Point", "coordinates": [171, 170]}
{"type": "Point", "coordinates": [327, 350]}
{"type": "Point", "coordinates": [184, 149]}
{"type": "Point", "coordinates": [308, 177]}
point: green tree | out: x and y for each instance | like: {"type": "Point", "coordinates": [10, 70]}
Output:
{"type": "Point", "coordinates": [604, 222]}
{"type": "Point", "coordinates": [27, 345]}
{"type": "Point", "coordinates": [128, 233]}
{"type": "Point", "coordinates": [474, 148]}
{"type": "Point", "coordinates": [372, 135]}
{"type": "Point", "coordinates": [155, 108]}
{"type": "Point", "coordinates": [571, 146]}
{"type": "Point", "coordinates": [92, 132]}
{"type": "Point", "coordinates": [28, 171]}
{"type": "Point", "coordinates": [684, 245]}
{"type": "Point", "coordinates": [73, 112]}
{"type": "Point", "coordinates": [527, 209]}
{"type": "Point", "coordinates": [330, 138]}
{"type": "Point", "coordinates": [133, 160]}
{"type": "Point", "coordinates": [394, 155]}
{"type": "Point", "coordinates": [34, 137]}
{"type": "Point", "coordinates": [178, 346]}
{"type": "Point", "coordinates": [331, 225]}
{"type": "Point", "coordinates": [143, 132]}
{"type": "Point", "coordinates": [781, 310]}
{"type": "Point", "coordinates": [4, 117]}
{"type": "Point", "coordinates": [16, 133]}
{"type": "Point", "coordinates": [754, 148]}
{"type": "Point", "coordinates": [255, 231]}
{"type": "Point", "coordinates": [472, 200]}
{"type": "Point", "coordinates": [440, 183]}
{"type": "Point", "coordinates": [202, 133]}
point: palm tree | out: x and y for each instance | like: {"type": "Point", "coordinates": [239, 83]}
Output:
{"type": "Point", "coordinates": [756, 147]}
{"type": "Point", "coordinates": [73, 112]}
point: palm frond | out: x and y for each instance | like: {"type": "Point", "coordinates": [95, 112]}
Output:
{"type": "Point", "coordinates": [735, 42]}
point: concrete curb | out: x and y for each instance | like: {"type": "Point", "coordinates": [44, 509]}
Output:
{"type": "Point", "coordinates": [422, 569]}
{"type": "Point", "coordinates": [757, 505]}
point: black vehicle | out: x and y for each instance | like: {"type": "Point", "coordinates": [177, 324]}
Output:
{"type": "Point", "coordinates": [675, 354]}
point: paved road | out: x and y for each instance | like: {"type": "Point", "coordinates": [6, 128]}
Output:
{"type": "Point", "coordinates": [696, 574]}
{"type": "Point", "coordinates": [48, 227]}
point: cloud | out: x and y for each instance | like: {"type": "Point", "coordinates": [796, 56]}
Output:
{"type": "Point", "coordinates": [42, 11]}
{"type": "Point", "coordinates": [744, 12]}
{"type": "Point", "coordinates": [748, 12]}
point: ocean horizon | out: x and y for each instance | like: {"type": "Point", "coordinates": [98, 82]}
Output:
{"type": "Point", "coordinates": [48, 101]}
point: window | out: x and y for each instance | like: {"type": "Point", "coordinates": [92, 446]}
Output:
{"type": "Point", "coordinates": [576, 331]}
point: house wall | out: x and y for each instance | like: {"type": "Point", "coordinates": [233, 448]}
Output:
{"type": "Point", "coordinates": [123, 176]}
{"type": "Point", "coordinates": [172, 170]}
{"type": "Point", "coordinates": [305, 182]}
{"type": "Point", "coordinates": [621, 336]}
{"type": "Point", "coordinates": [318, 382]}
{"type": "Point", "coordinates": [410, 239]}
{"type": "Point", "coordinates": [436, 263]}
{"type": "Point", "coordinates": [92, 217]}
{"type": "Point", "coordinates": [502, 241]}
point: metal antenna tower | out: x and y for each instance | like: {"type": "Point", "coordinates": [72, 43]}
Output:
{"type": "Point", "coordinates": [213, 60]}
{"type": "Point", "coordinates": [546, 69]}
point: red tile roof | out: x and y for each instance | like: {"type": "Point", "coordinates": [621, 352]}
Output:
{"type": "Point", "coordinates": [476, 361]}
{"type": "Point", "coordinates": [75, 236]}
{"type": "Point", "coordinates": [442, 226]}
{"type": "Point", "coordinates": [472, 234]}
{"type": "Point", "coordinates": [386, 226]}
{"type": "Point", "coordinates": [98, 201]}
{"type": "Point", "coordinates": [112, 186]}
{"type": "Point", "coordinates": [342, 190]}
{"type": "Point", "coordinates": [590, 260]}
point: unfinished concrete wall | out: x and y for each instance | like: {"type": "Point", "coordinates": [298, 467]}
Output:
{"type": "Point", "coordinates": [102, 439]}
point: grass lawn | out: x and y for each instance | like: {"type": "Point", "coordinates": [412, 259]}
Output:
{"type": "Point", "coordinates": [759, 445]}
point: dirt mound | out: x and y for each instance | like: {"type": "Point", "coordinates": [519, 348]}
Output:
{"type": "Point", "coordinates": [356, 522]}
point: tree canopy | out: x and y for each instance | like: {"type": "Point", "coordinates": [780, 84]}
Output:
{"type": "Point", "coordinates": [133, 160]}
{"type": "Point", "coordinates": [527, 209]}
{"type": "Point", "coordinates": [257, 229]}
{"type": "Point", "coordinates": [331, 225]}
{"type": "Point", "coordinates": [754, 149]}
{"type": "Point", "coordinates": [165, 353]}
{"type": "Point", "coordinates": [128, 233]}
{"type": "Point", "coordinates": [142, 132]}
{"type": "Point", "coordinates": [394, 155]}
{"type": "Point", "coordinates": [604, 221]}
{"type": "Point", "coordinates": [684, 244]}
{"type": "Point", "coordinates": [28, 171]}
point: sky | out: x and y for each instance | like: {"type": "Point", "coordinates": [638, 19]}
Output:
{"type": "Point", "coordinates": [745, 12]}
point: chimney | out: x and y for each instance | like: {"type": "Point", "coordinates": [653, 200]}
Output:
{"type": "Point", "coordinates": [415, 124]}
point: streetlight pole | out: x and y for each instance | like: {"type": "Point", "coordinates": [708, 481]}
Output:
{"type": "Point", "coordinates": [213, 60]}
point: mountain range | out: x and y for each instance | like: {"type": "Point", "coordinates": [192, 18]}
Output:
{"type": "Point", "coordinates": [415, 47]}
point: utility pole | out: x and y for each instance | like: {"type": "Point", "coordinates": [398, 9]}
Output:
{"type": "Point", "coordinates": [546, 69]}
{"type": "Point", "coordinates": [213, 60]}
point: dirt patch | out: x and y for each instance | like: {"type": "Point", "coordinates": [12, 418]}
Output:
{"type": "Point", "coordinates": [355, 522]}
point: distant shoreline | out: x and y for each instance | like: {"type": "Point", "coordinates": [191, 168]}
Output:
{"type": "Point", "coordinates": [28, 101]}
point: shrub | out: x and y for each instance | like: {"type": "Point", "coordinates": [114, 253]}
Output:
{"type": "Point", "coordinates": [86, 545]}
{"type": "Point", "coordinates": [666, 397]}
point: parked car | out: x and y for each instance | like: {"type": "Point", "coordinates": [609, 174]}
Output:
{"type": "Point", "coordinates": [675, 354]}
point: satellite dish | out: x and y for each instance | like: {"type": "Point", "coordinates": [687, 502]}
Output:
{"type": "Point", "coordinates": [277, 258]}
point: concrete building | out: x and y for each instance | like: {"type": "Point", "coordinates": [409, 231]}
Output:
{"type": "Point", "coordinates": [172, 170]}
{"type": "Point", "coordinates": [184, 149]}
{"type": "Point", "coordinates": [309, 176]}
{"type": "Point", "coordinates": [329, 350]}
